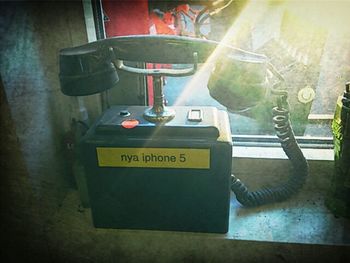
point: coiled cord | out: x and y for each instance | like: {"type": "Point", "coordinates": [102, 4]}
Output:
{"type": "Point", "coordinates": [290, 146]}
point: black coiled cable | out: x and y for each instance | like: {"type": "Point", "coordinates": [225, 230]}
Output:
{"type": "Point", "coordinates": [296, 179]}
{"type": "Point", "coordinates": [200, 18]}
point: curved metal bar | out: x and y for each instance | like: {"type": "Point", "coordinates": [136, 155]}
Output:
{"type": "Point", "coordinates": [119, 64]}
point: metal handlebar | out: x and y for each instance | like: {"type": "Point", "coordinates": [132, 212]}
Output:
{"type": "Point", "coordinates": [182, 72]}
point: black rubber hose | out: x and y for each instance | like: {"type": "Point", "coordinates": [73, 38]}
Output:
{"type": "Point", "coordinates": [296, 179]}
{"type": "Point", "coordinates": [199, 20]}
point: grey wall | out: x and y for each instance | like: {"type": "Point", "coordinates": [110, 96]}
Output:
{"type": "Point", "coordinates": [31, 35]}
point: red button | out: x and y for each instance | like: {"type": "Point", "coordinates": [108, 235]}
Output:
{"type": "Point", "coordinates": [129, 124]}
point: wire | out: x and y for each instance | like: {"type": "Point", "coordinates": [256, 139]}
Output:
{"type": "Point", "coordinates": [216, 11]}
{"type": "Point", "coordinates": [203, 15]}
{"type": "Point", "coordinates": [290, 146]}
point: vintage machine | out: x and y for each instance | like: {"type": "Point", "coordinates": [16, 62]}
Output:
{"type": "Point", "coordinates": [168, 168]}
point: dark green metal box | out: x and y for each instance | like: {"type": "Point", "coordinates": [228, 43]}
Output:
{"type": "Point", "coordinates": [170, 176]}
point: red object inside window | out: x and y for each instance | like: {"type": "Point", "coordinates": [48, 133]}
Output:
{"type": "Point", "coordinates": [126, 17]}
{"type": "Point", "coordinates": [133, 18]}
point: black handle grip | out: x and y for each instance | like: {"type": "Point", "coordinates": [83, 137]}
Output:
{"type": "Point", "coordinates": [89, 69]}
{"type": "Point", "coordinates": [161, 49]}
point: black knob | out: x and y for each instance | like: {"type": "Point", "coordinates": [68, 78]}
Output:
{"type": "Point", "coordinates": [124, 113]}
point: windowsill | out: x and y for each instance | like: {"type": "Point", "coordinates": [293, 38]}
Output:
{"type": "Point", "coordinates": [304, 218]}
{"type": "Point", "coordinates": [257, 152]}
{"type": "Point", "coordinates": [295, 230]}
{"type": "Point", "coordinates": [269, 147]}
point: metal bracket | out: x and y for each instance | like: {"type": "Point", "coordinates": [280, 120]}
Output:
{"type": "Point", "coordinates": [158, 113]}
{"type": "Point", "coordinates": [119, 64]}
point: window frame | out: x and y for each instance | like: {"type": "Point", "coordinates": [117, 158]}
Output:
{"type": "Point", "coordinates": [244, 146]}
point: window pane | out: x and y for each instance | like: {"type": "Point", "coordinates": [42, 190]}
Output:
{"type": "Point", "coordinates": [308, 42]}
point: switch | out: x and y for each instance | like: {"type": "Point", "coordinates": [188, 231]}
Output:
{"type": "Point", "coordinates": [195, 115]}
{"type": "Point", "coordinates": [124, 113]}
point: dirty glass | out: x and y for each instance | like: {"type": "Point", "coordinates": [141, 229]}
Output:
{"type": "Point", "coordinates": [308, 42]}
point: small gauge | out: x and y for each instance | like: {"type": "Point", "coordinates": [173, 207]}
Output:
{"type": "Point", "coordinates": [306, 95]}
